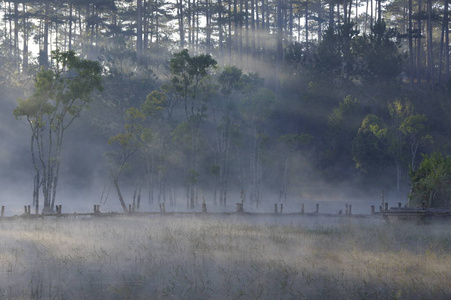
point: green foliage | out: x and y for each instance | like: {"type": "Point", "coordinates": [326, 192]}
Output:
{"type": "Point", "coordinates": [60, 95]}
{"type": "Point", "coordinates": [377, 55]}
{"type": "Point", "coordinates": [342, 125]}
{"type": "Point", "coordinates": [154, 103]}
{"type": "Point", "coordinates": [396, 139]}
{"type": "Point", "coordinates": [230, 79]}
{"type": "Point", "coordinates": [431, 182]}
{"type": "Point", "coordinates": [345, 110]}
{"type": "Point", "coordinates": [371, 58]}
{"type": "Point", "coordinates": [187, 74]}
{"type": "Point", "coordinates": [257, 106]}
{"type": "Point", "coordinates": [369, 146]}
{"type": "Point", "coordinates": [130, 140]}
{"type": "Point", "coordinates": [187, 71]}
{"type": "Point", "coordinates": [65, 89]}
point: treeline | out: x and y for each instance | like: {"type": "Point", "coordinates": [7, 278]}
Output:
{"type": "Point", "coordinates": [233, 29]}
{"type": "Point", "coordinates": [249, 95]}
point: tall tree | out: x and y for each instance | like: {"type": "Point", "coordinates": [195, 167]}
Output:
{"type": "Point", "coordinates": [61, 94]}
{"type": "Point", "coordinates": [127, 144]}
{"type": "Point", "coordinates": [187, 75]}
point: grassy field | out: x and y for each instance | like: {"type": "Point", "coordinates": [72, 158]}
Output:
{"type": "Point", "coordinates": [223, 257]}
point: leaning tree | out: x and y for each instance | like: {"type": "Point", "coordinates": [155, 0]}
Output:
{"type": "Point", "coordinates": [60, 94]}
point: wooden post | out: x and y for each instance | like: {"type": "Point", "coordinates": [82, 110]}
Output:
{"type": "Point", "coordinates": [399, 204]}
{"type": "Point", "coordinates": [3, 212]}
{"type": "Point", "coordinates": [372, 209]}
{"type": "Point", "coordinates": [317, 208]}
{"type": "Point", "coordinates": [275, 208]}
{"type": "Point", "coordinates": [29, 209]}
{"type": "Point", "coordinates": [281, 208]}
{"type": "Point", "coordinates": [25, 208]}
{"type": "Point", "coordinates": [302, 208]}
{"type": "Point", "coordinates": [204, 207]}
{"type": "Point", "coordinates": [350, 209]}
{"type": "Point", "coordinates": [346, 209]}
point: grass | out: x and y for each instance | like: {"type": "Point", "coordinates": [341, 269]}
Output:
{"type": "Point", "coordinates": [223, 257]}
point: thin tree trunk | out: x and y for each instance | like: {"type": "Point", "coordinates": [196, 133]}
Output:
{"type": "Point", "coordinates": [430, 58]}
{"type": "Point", "coordinates": [220, 29]}
{"type": "Point", "coordinates": [418, 58]}
{"type": "Point", "coordinates": [16, 30]}
{"type": "Point", "coordinates": [45, 50]}
{"type": "Point", "coordinates": [411, 53]}
{"type": "Point", "coordinates": [446, 25]}
{"type": "Point", "coordinates": [181, 28]}
{"type": "Point", "coordinates": [306, 28]}
{"type": "Point", "coordinates": [25, 41]}
{"type": "Point", "coordinates": [119, 194]}
{"type": "Point", "coordinates": [139, 37]}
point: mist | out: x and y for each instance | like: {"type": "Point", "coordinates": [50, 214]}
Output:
{"type": "Point", "coordinates": [222, 258]}
{"type": "Point", "coordinates": [283, 110]}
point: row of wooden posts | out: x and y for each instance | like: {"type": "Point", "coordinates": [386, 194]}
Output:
{"type": "Point", "coordinates": [239, 208]}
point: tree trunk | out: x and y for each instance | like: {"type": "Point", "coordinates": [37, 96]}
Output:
{"type": "Point", "coordinates": [139, 36]}
{"type": "Point", "coordinates": [430, 59]}
{"type": "Point", "coordinates": [208, 26]}
{"type": "Point", "coordinates": [119, 194]}
{"type": "Point", "coordinates": [16, 30]}
{"type": "Point", "coordinates": [70, 26]}
{"type": "Point", "coordinates": [446, 21]}
{"type": "Point", "coordinates": [220, 29]}
{"type": "Point", "coordinates": [45, 50]}
{"type": "Point", "coordinates": [418, 57]}
{"type": "Point", "coordinates": [25, 42]}
{"type": "Point", "coordinates": [411, 53]}
{"type": "Point", "coordinates": [181, 28]}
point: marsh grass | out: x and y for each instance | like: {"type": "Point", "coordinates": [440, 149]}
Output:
{"type": "Point", "coordinates": [225, 257]}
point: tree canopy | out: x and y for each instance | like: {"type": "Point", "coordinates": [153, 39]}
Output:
{"type": "Point", "coordinates": [229, 91]}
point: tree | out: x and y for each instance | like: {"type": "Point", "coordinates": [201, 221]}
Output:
{"type": "Point", "coordinates": [343, 123]}
{"type": "Point", "coordinates": [292, 142]}
{"type": "Point", "coordinates": [187, 81]}
{"type": "Point", "coordinates": [431, 182]}
{"type": "Point", "coordinates": [60, 95]}
{"type": "Point", "coordinates": [187, 73]}
{"type": "Point", "coordinates": [255, 109]}
{"type": "Point", "coordinates": [231, 81]}
{"type": "Point", "coordinates": [376, 56]}
{"type": "Point", "coordinates": [128, 143]}
{"type": "Point", "coordinates": [370, 150]}
{"type": "Point", "coordinates": [397, 138]}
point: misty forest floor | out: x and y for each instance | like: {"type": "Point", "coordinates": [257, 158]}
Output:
{"type": "Point", "coordinates": [230, 257]}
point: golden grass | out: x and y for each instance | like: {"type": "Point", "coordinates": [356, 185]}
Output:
{"type": "Point", "coordinates": [229, 257]}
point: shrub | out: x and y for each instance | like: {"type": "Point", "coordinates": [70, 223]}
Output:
{"type": "Point", "coordinates": [431, 182]}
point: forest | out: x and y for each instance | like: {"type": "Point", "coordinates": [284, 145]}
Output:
{"type": "Point", "coordinates": [245, 100]}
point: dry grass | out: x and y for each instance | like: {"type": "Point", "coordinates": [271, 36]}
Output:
{"type": "Point", "coordinates": [229, 257]}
